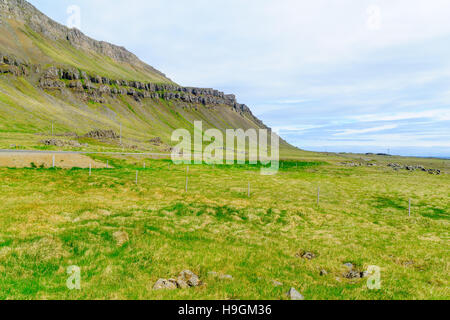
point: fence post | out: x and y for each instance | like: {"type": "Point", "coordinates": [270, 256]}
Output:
{"type": "Point", "coordinates": [53, 161]}
{"type": "Point", "coordinates": [318, 195]}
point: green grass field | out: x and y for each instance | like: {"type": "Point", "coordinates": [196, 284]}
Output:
{"type": "Point", "coordinates": [51, 219]}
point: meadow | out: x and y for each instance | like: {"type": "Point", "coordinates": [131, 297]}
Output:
{"type": "Point", "coordinates": [51, 219]}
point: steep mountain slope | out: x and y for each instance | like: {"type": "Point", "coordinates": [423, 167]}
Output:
{"type": "Point", "coordinates": [55, 77]}
{"type": "Point", "coordinates": [31, 36]}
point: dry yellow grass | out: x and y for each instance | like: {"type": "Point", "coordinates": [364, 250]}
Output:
{"type": "Point", "coordinates": [65, 161]}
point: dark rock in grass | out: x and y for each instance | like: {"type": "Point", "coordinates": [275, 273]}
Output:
{"type": "Point", "coordinates": [323, 272]}
{"type": "Point", "coordinates": [295, 295]}
{"type": "Point", "coordinates": [352, 274]}
{"type": "Point", "coordinates": [306, 255]}
{"type": "Point", "coordinates": [397, 166]}
{"type": "Point", "coordinates": [53, 142]}
{"type": "Point", "coordinates": [364, 274]}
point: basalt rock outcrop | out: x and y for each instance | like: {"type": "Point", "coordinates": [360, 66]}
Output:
{"type": "Point", "coordinates": [97, 88]}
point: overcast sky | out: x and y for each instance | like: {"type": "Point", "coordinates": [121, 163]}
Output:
{"type": "Point", "coordinates": [348, 75]}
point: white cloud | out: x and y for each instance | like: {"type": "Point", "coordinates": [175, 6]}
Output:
{"type": "Point", "coordinates": [320, 62]}
{"type": "Point", "coordinates": [366, 130]}
{"type": "Point", "coordinates": [436, 115]}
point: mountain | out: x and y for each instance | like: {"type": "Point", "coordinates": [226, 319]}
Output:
{"type": "Point", "coordinates": [56, 78]}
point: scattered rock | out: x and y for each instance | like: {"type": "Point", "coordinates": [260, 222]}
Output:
{"type": "Point", "coordinates": [190, 278]}
{"type": "Point", "coordinates": [350, 164]}
{"type": "Point", "coordinates": [163, 284]}
{"type": "Point", "coordinates": [309, 256]}
{"type": "Point", "coordinates": [156, 141]}
{"type": "Point", "coordinates": [352, 274]}
{"type": "Point", "coordinates": [397, 167]}
{"type": "Point", "coordinates": [295, 295]}
{"type": "Point", "coordinates": [434, 171]}
{"type": "Point", "coordinates": [121, 237]}
{"type": "Point", "coordinates": [277, 283]}
{"type": "Point", "coordinates": [185, 280]}
{"type": "Point", "coordinates": [220, 276]}
{"type": "Point", "coordinates": [60, 143]}
{"type": "Point", "coordinates": [323, 272]}
{"type": "Point", "coordinates": [348, 265]}
{"type": "Point", "coordinates": [306, 255]}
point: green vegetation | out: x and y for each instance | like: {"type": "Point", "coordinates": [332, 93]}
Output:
{"type": "Point", "coordinates": [51, 219]}
{"type": "Point", "coordinates": [27, 114]}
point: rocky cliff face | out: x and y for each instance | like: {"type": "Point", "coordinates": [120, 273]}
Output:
{"type": "Point", "coordinates": [96, 88]}
{"type": "Point", "coordinates": [23, 11]}
{"type": "Point", "coordinates": [89, 86]}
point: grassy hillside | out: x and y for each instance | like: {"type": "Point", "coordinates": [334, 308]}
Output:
{"type": "Point", "coordinates": [52, 219]}
{"type": "Point", "coordinates": [18, 39]}
{"type": "Point", "coordinates": [27, 114]}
